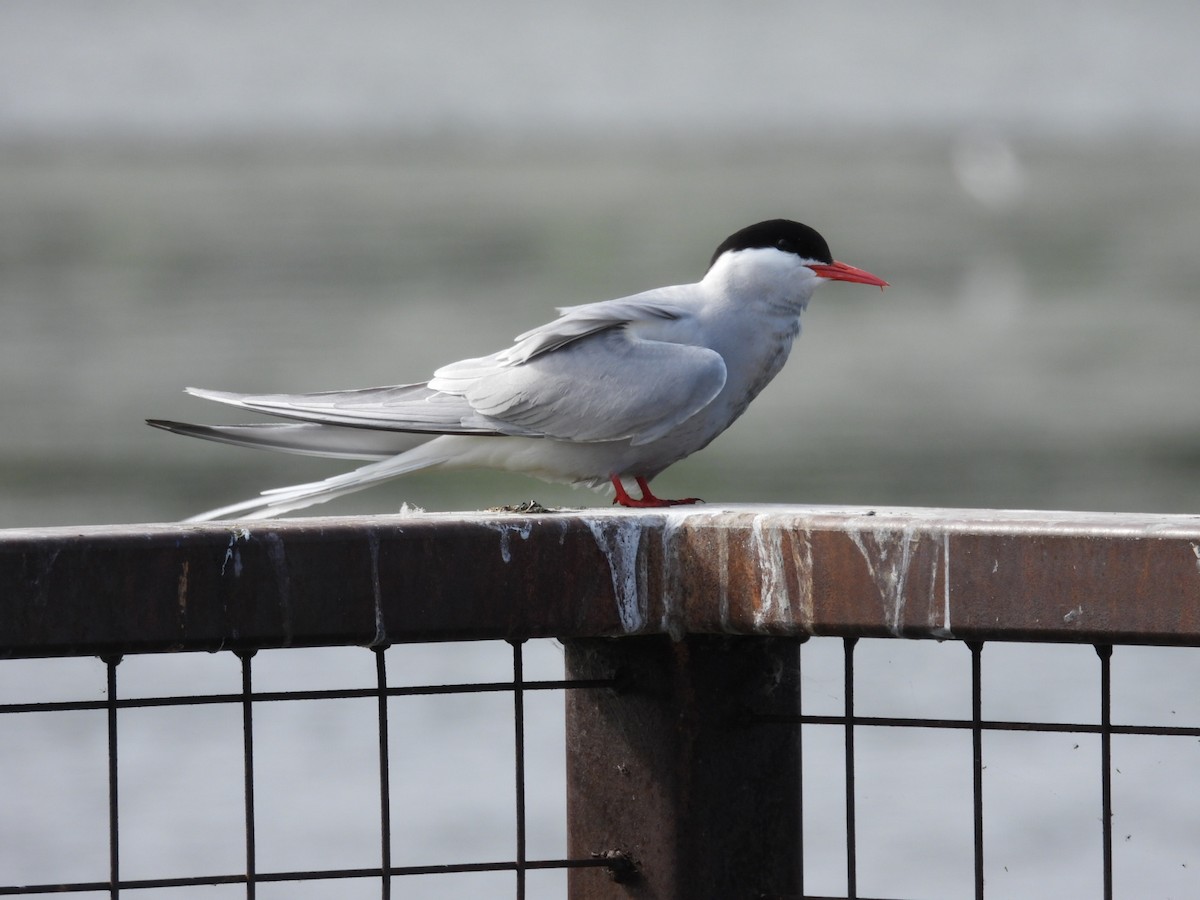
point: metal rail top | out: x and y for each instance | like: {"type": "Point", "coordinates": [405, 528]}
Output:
{"type": "Point", "coordinates": [764, 570]}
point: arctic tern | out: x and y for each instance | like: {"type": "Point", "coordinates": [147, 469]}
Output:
{"type": "Point", "coordinates": [607, 393]}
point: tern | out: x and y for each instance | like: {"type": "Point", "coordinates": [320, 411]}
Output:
{"type": "Point", "coordinates": [608, 393]}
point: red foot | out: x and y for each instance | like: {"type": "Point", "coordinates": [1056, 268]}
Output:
{"type": "Point", "coordinates": [648, 501]}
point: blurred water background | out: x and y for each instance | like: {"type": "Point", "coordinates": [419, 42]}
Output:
{"type": "Point", "coordinates": [306, 196]}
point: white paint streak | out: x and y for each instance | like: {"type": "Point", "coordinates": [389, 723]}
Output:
{"type": "Point", "coordinates": [618, 540]}
{"type": "Point", "coordinates": [802, 556]}
{"type": "Point", "coordinates": [380, 638]}
{"type": "Point", "coordinates": [941, 560]}
{"type": "Point", "coordinates": [773, 599]}
{"type": "Point", "coordinates": [888, 555]}
{"type": "Point", "coordinates": [946, 583]}
{"type": "Point", "coordinates": [232, 553]}
{"type": "Point", "coordinates": [673, 617]}
{"type": "Point", "coordinates": [506, 530]}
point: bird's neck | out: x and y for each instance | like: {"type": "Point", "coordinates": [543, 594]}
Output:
{"type": "Point", "coordinates": [765, 289]}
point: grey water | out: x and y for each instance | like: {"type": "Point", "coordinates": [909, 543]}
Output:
{"type": "Point", "coordinates": [287, 197]}
{"type": "Point", "coordinates": [1034, 352]}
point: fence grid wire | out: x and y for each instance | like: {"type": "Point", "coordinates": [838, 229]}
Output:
{"type": "Point", "coordinates": [858, 577]}
{"type": "Point", "coordinates": [112, 704]}
{"type": "Point", "coordinates": [850, 722]}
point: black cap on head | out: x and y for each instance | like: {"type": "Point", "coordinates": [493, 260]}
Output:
{"type": "Point", "coordinates": [782, 234]}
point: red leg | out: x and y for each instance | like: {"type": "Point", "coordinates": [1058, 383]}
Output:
{"type": "Point", "coordinates": [648, 500]}
{"type": "Point", "coordinates": [648, 496]}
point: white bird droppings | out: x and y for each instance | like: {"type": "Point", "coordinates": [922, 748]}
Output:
{"type": "Point", "coordinates": [380, 638]}
{"type": "Point", "coordinates": [618, 539]}
{"type": "Point", "coordinates": [945, 630]}
{"type": "Point", "coordinates": [672, 613]}
{"type": "Point", "coordinates": [773, 593]}
{"type": "Point", "coordinates": [232, 553]}
{"type": "Point", "coordinates": [776, 590]}
{"type": "Point", "coordinates": [506, 531]}
{"type": "Point", "coordinates": [888, 555]}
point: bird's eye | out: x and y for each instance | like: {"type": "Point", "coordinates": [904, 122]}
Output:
{"type": "Point", "coordinates": [784, 244]}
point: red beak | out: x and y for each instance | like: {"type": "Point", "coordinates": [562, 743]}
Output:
{"type": "Point", "coordinates": [840, 271]}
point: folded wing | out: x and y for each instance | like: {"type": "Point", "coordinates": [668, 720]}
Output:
{"type": "Point", "coordinates": [610, 386]}
{"type": "Point", "coordinates": [303, 438]}
{"type": "Point", "coordinates": [601, 372]}
{"type": "Point", "coordinates": [401, 407]}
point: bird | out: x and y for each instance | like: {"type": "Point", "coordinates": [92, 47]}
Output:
{"type": "Point", "coordinates": [609, 394]}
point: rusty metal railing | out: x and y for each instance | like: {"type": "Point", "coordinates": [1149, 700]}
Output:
{"type": "Point", "coordinates": [686, 737]}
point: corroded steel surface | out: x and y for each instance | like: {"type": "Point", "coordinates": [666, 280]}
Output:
{"type": "Point", "coordinates": [785, 570]}
{"type": "Point", "coordinates": [672, 770]}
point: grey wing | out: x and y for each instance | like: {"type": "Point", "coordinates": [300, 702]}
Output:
{"type": "Point", "coordinates": [403, 407]}
{"type": "Point", "coordinates": [594, 374]}
{"type": "Point", "coordinates": [304, 438]}
{"type": "Point", "coordinates": [575, 322]}
{"type": "Point", "coordinates": [609, 386]}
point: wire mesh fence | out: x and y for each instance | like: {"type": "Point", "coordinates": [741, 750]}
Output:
{"type": "Point", "coordinates": [997, 761]}
{"type": "Point", "coordinates": [908, 788]}
{"type": "Point", "coordinates": [62, 837]}
{"type": "Point", "coordinates": [940, 802]}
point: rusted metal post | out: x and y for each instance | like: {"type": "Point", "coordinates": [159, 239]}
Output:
{"type": "Point", "coordinates": [672, 769]}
